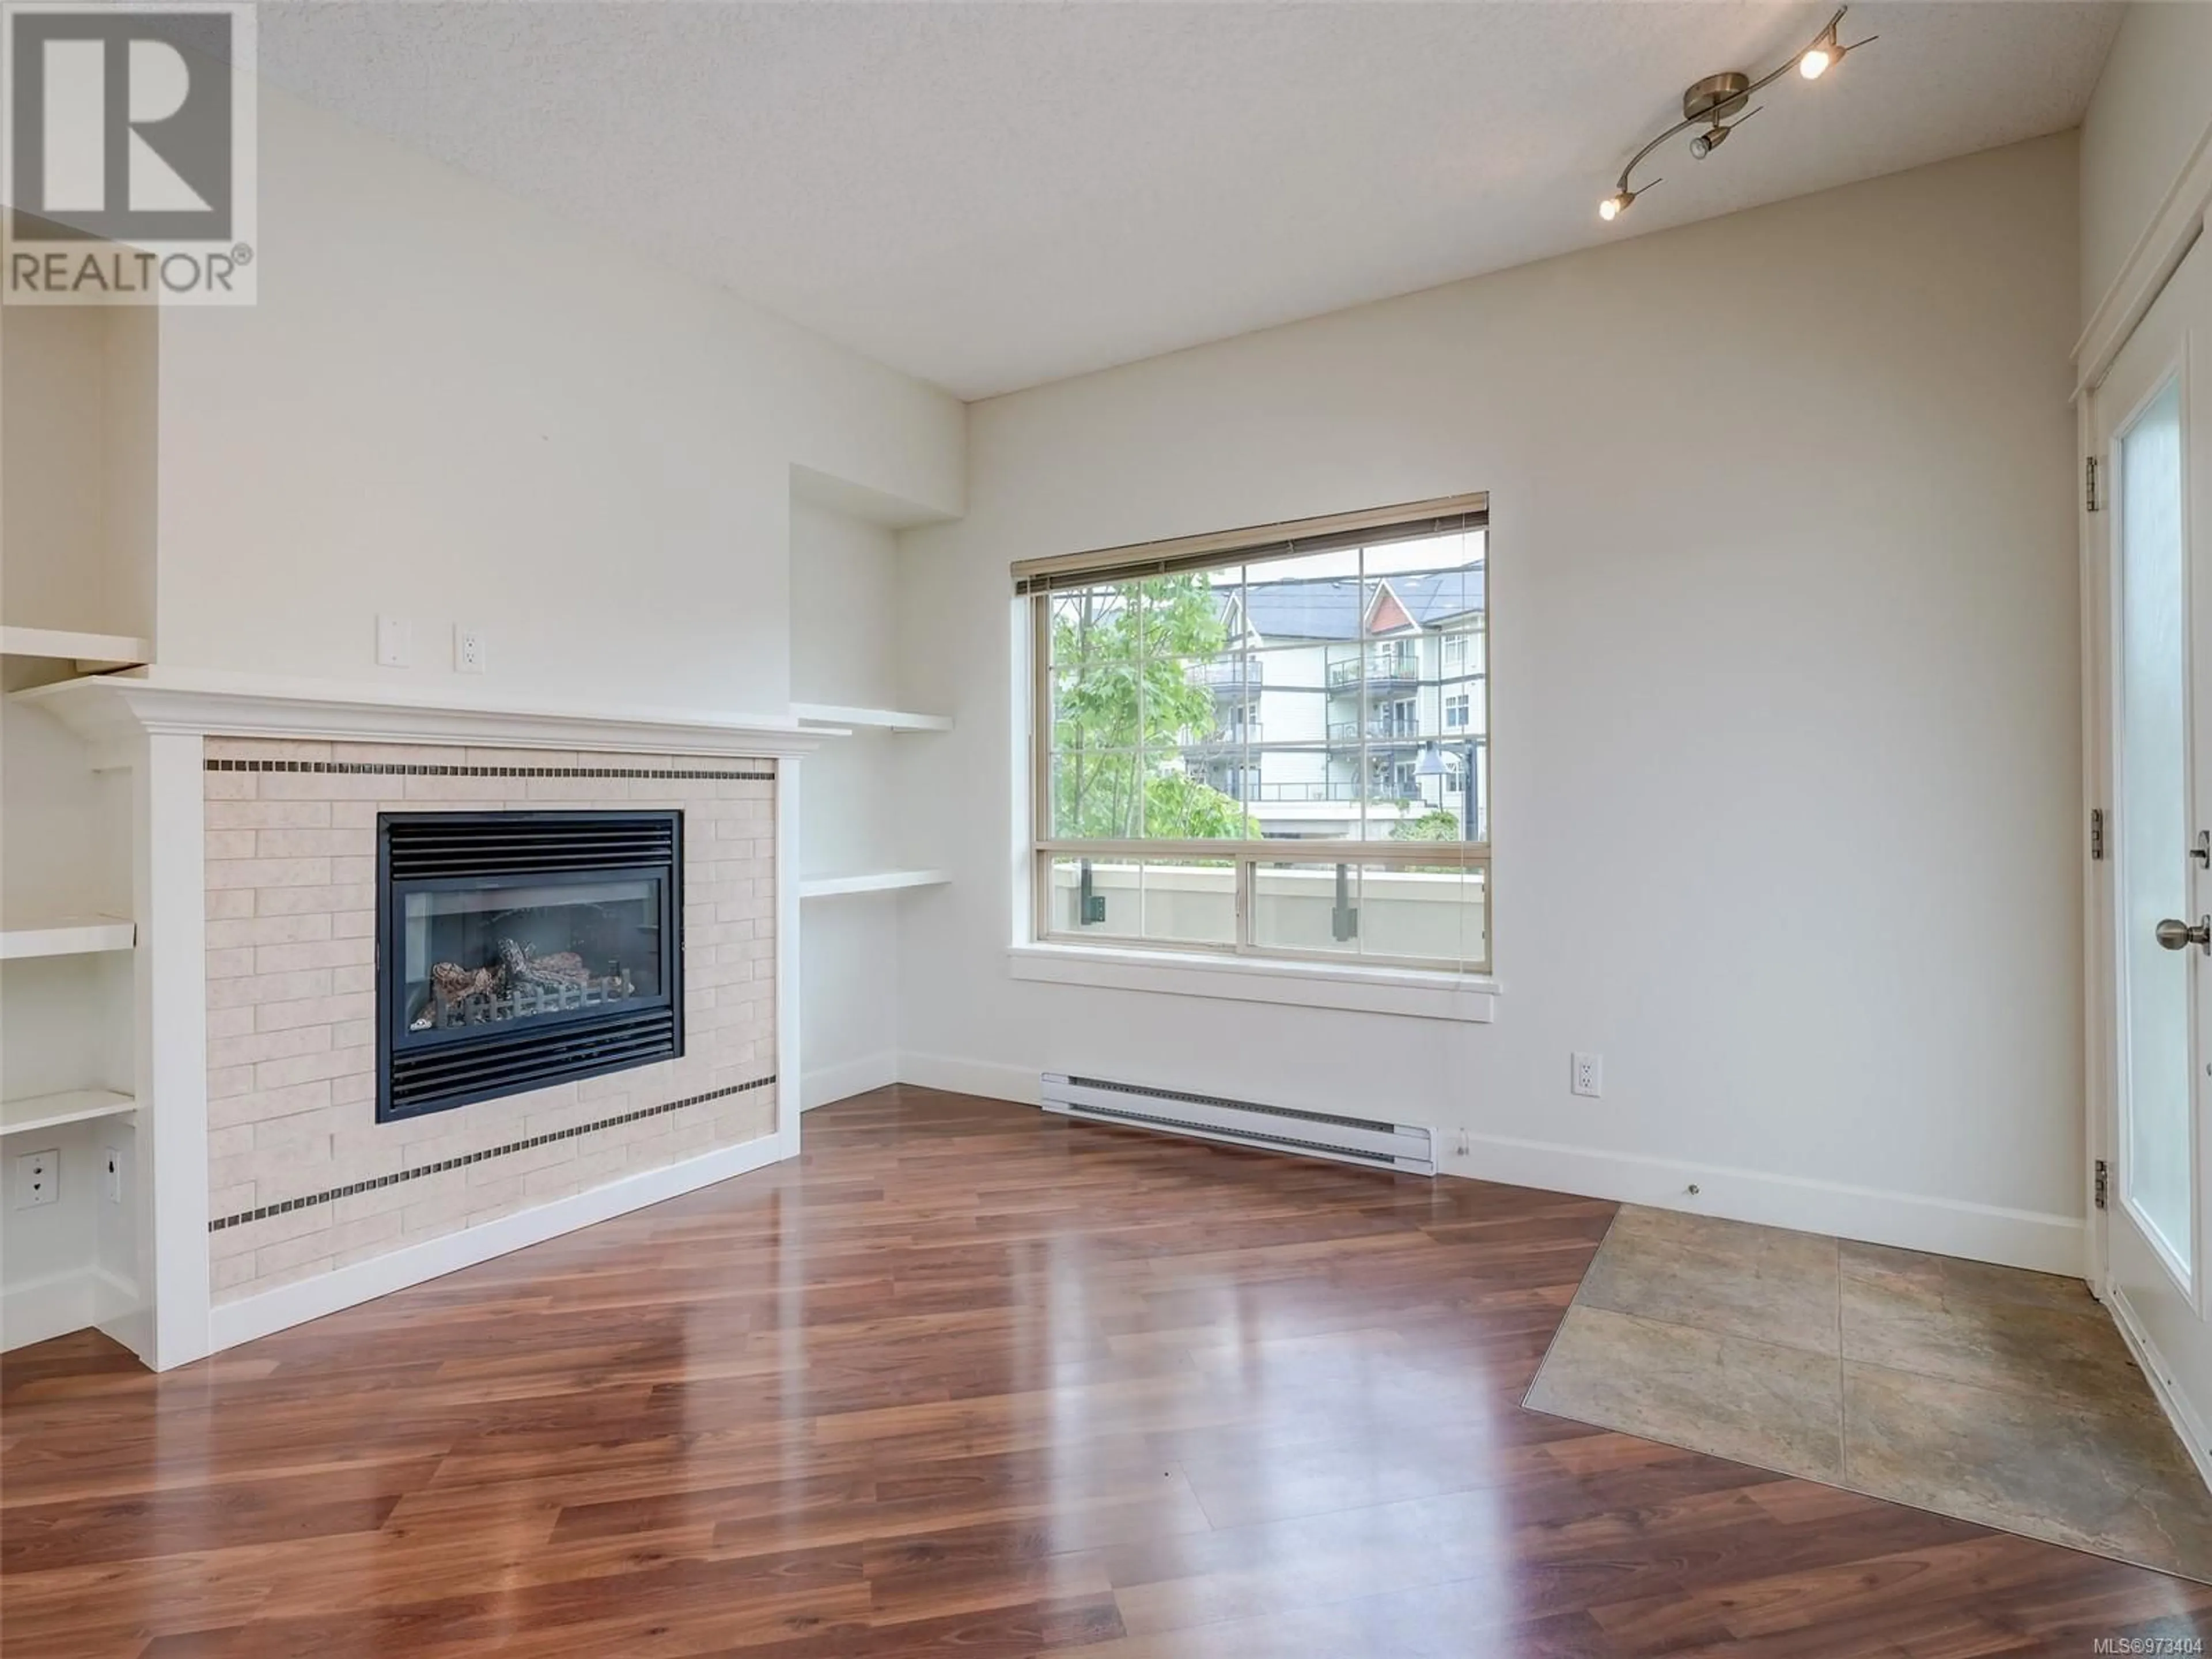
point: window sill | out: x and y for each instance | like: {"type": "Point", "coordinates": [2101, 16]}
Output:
{"type": "Point", "coordinates": [1407, 993]}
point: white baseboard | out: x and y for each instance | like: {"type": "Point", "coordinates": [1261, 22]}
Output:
{"type": "Point", "coordinates": [122, 1314]}
{"type": "Point", "coordinates": [1981, 1232]}
{"type": "Point", "coordinates": [853, 1076]}
{"type": "Point", "coordinates": [53, 1306]}
{"type": "Point", "coordinates": [68, 1301]}
{"type": "Point", "coordinates": [2187, 1421]}
{"type": "Point", "coordinates": [234, 1322]}
{"type": "Point", "coordinates": [972, 1076]}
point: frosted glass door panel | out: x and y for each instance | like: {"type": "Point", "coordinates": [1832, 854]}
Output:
{"type": "Point", "coordinates": [2155, 826]}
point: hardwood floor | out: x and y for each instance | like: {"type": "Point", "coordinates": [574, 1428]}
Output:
{"type": "Point", "coordinates": [970, 1379]}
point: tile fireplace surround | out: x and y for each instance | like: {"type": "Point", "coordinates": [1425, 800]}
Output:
{"type": "Point", "coordinates": [301, 1179]}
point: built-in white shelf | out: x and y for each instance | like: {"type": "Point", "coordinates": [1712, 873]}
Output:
{"type": "Point", "coordinates": [51, 1111]}
{"type": "Point", "coordinates": [888, 720]}
{"type": "Point", "coordinates": [90, 652]}
{"type": "Point", "coordinates": [68, 936]}
{"type": "Point", "coordinates": [874, 881]}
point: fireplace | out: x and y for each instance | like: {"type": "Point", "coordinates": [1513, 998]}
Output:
{"type": "Point", "coordinates": [517, 949]}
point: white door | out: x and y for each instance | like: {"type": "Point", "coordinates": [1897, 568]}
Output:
{"type": "Point", "coordinates": [2151, 418]}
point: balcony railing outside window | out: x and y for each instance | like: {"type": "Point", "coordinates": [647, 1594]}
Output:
{"type": "Point", "coordinates": [1227, 673]}
{"type": "Point", "coordinates": [1234, 737]}
{"type": "Point", "coordinates": [1391, 665]}
{"type": "Point", "coordinates": [1333, 789]}
{"type": "Point", "coordinates": [1380, 728]}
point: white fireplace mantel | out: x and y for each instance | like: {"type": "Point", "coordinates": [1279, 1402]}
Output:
{"type": "Point", "coordinates": [110, 711]}
{"type": "Point", "coordinates": [150, 723]}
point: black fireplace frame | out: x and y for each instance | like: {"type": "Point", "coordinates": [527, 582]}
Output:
{"type": "Point", "coordinates": [419, 1074]}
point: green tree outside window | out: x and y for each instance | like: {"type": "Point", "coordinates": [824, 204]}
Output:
{"type": "Point", "coordinates": [1123, 705]}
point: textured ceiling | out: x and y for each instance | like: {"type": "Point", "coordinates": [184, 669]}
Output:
{"type": "Point", "coordinates": [990, 196]}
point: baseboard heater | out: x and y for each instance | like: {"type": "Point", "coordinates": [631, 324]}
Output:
{"type": "Point", "coordinates": [1406, 1148]}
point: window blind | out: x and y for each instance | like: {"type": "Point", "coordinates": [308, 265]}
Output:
{"type": "Point", "coordinates": [1408, 522]}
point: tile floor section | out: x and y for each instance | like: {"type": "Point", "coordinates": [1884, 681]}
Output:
{"type": "Point", "coordinates": [1998, 1396]}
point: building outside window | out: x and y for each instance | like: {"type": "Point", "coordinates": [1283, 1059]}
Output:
{"type": "Point", "coordinates": [1273, 748]}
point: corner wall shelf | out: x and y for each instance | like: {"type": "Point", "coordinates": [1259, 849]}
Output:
{"type": "Point", "coordinates": [888, 720]}
{"type": "Point", "coordinates": [92, 653]}
{"type": "Point", "coordinates": [51, 1111]}
{"type": "Point", "coordinates": [68, 936]}
{"type": "Point", "coordinates": [875, 881]}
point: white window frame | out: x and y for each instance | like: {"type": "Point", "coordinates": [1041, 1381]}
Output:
{"type": "Point", "coordinates": [1049, 946]}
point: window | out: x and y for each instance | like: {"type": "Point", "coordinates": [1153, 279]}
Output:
{"type": "Point", "coordinates": [1243, 744]}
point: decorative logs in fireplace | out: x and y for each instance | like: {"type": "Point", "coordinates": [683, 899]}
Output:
{"type": "Point", "coordinates": [519, 984]}
{"type": "Point", "coordinates": [514, 987]}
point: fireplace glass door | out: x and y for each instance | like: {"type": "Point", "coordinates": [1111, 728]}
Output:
{"type": "Point", "coordinates": [517, 949]}
{"type": "Point", "coordinates": [476, 954]}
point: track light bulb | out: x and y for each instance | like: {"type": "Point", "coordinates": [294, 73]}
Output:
{"type": "Point", "coordinates": [1614, 206]}
{"type": "Point", "coordinates": [1823, 55]}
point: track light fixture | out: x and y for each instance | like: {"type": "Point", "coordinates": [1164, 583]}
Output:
{"type": "Point", "coordinates": [1717, 103]}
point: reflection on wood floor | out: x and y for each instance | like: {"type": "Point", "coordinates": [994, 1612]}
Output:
{"type": "Point", "coordinates": [970, 1379]}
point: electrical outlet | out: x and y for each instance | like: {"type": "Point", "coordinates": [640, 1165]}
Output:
{"type": "Point", "coordinates": [38, 1179]}
{"type": "Point", "coordinates": [468, 649]}
{"type": "Point", "coordinates": [1587, 1076]}
{"type": "Point", "coordinates": [1463, 1144]}
{"type": "Point", "coordinates": [113, 1161]}
{"type": "Point", "coordinates": [395, 642]}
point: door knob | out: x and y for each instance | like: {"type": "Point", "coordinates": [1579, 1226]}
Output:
{"type": "Point", "coordinates": [2180, 935]}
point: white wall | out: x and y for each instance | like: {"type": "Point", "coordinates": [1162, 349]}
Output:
{"type": "Point", "coordinates": [450, 407]}
{"type": "Point", "coordinates": [845, 643]}
{"type": "Point", "coordinates": [844, 617]}
{"type": "Point", "coordinates": [77, 402]}
{"type": "Point", "coordinates": [2152, 107]}
{"type": "Point", "coordinates": [1785, 703]}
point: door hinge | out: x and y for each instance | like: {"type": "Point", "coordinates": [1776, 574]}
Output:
{"type": "Point", "coordinates": [2096, 835]}
{"type": "Point", "coordinates": [2104, 1181]}
{"type": "Point", "coordinates": [2089, 481]}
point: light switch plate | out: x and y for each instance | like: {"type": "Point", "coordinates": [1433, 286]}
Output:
{"type": "Point", "coordinates": [395, 642]}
